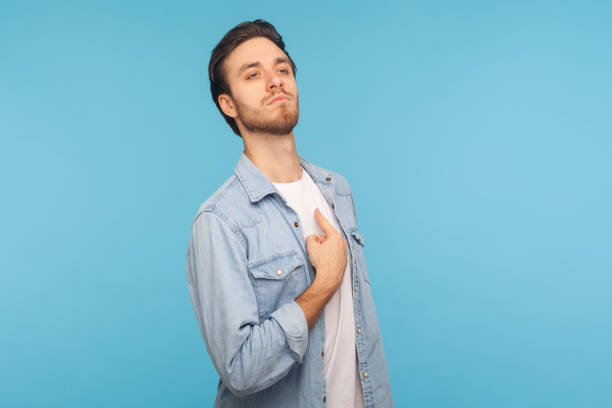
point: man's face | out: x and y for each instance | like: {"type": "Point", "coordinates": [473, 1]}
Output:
{"type": "Point", "coordinates": [258, 72]}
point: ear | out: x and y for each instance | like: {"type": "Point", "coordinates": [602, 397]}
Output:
{"type": "Point", "coordinates": [227, 105]}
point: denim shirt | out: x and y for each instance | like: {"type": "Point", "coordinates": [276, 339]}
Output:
{"type": "Point", "coordinates": [246, 264]}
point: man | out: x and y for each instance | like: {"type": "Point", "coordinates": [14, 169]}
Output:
{"type": "Point", "coordinates": [275, 262]}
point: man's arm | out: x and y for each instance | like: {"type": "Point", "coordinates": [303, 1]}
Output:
{"type": "Point", "coordinates": [248, 355]}
{"type": "Point", "coordinates": [313, 301]}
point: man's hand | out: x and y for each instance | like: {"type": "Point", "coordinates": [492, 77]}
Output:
{"type": "Point", "coordinates": [327, 253]}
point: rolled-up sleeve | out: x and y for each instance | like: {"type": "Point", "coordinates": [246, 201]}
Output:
{"type": "Point", "coordinates": [249, 355]}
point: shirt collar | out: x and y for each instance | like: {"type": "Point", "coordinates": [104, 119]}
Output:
{"type": "Point", "coordinates": [257, 185]}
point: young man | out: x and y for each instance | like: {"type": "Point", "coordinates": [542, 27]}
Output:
{"type": "Point", "coordinates": [275, 262]}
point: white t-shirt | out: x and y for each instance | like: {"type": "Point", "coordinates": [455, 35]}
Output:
{"type": "Point", "coordinates": [343, 386]}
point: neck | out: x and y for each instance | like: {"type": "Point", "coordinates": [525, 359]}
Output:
{"type": "Point", "coordinates": [276, 156]}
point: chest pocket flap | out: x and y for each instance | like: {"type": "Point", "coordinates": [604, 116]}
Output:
{"type": "Point", "coordinates": [277, 266]}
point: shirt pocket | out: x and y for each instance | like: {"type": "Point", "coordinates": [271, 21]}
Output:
{"type": "Point", "coordinates": [277, 279]}
{"type": "Point", "coordinates": [359, 254]}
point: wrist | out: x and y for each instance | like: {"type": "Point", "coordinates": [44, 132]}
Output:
{"type": "Point", "coordinates": [323, 285]}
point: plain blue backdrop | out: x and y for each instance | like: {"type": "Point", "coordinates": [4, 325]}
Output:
{"type": "Point", "coordinates": [476, 137]}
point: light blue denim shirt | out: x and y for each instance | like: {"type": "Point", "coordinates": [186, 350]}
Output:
{"type": "Point", "coordinates": [246, 265]}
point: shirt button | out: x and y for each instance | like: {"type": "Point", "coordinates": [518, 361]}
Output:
{"type": "Point", "coordinates": [328, 179]}
{"type": "Point", "coordinates": [322, 353]}
{"type": "Point", "coordinates": [296, 224]}
{"type": "Point", "coordinates": [333, 206]}
{"type": "Point", "coordinates": [355, 288]}
{"type": "Point", "coordinates": [324, 398]}
{"type": "Point", "coordinates": [358, 329]}
{"type": "Point", "coordinates": [365, 374]}
{"type": "Point", "coordinates": [279, 272]}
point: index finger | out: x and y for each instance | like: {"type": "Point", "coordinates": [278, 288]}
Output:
{"type": "Point", "coordinates": [325, 225]}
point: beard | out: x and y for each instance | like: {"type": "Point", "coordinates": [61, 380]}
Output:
{"type": "Point", "coordinates": [279, 121]}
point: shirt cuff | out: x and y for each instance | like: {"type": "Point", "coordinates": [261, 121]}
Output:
{"type": "Point", "coordinates": [291, 319]}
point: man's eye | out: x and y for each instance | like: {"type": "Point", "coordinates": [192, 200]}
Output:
{"type": "Point", "coordinates": [252, 75]}
{"type": "Point", "coordinates": [285, 69]}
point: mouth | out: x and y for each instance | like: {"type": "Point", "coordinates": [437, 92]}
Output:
{"type": "Point", "coordinates": [279, 98]}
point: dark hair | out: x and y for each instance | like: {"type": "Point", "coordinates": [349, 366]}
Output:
{"type": "Point", "coordinates": [232, 39]}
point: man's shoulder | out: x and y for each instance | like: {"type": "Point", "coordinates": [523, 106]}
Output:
{"type": "Point", "coordinates": [228, 199]}
{"type": "Point", "coordinates": [341, 185]}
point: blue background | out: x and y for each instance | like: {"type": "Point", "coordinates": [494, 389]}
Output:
{"type": "Point", "coordinates": [476, 137]}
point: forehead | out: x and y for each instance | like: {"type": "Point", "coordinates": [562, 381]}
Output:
{"type": "Point", "coordinates": [255, 49]}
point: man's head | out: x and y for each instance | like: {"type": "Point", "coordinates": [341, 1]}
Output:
{"type": "Point", "coordinates": [248, 69]}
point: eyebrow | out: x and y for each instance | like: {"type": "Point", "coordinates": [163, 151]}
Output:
{"type": "Point", "coordinates": [248, 65]}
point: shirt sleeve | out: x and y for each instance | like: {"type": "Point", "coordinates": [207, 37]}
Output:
{"type": "Point", "coordinates": [249, 355]}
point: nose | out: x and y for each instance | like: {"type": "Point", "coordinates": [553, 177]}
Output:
{"type": "Point", "coordinates": [275, 82]}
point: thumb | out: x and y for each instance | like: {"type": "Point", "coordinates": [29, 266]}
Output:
{"type": "Point", "coordinates": [323, 223]}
